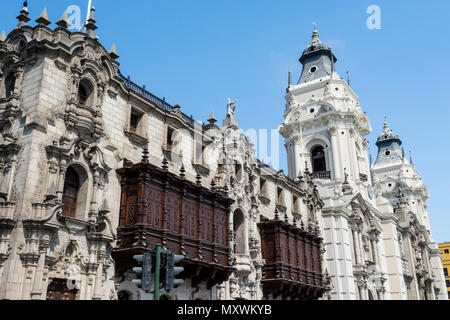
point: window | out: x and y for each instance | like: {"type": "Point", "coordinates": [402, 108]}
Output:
{"type": "Point", "coordinates": [318, 159]}
{"type": "Point", "coordinates": [449, 295]}
{"type": "Point", "coordinates": [70, 194]}
{"type": "Point", "coordinates": [263, 187]}
{"type": "Point", "coordinates": [135, 119]}
{"type": "Point", "coordinates": [446, 251]}
{"type": "Point", "coordinates": [295, 204]}
{"type": "Point", "coordinates": [239, 232]}
{"type": "Point", "coordinates": [446, 272]}
{"type": "Point", "coordinates": [10, 83]}
{"type": "Point", "coordinates": [85, 93]}
{"type": "Point", "coordinates": [280, 196]}
{"type": "Point", "coordinates": [447, 283]}
{"type": "Point", "coordinates": [170, 138]}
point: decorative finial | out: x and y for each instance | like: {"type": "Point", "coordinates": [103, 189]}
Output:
{"type": "Point", "coordinates": [105, 208]}
{"type": "Point", "coordinates": [165, 163]}
{"type": "Point", "coordinates": [213, 184]}
{"type": "Point", "coordinates": [113, 52]}
{"type": "Point", "coordinates": [3, 36]}
{"type": "Point", "coordinates": [23, 16]}
{"type": "Point", "coordinates": [182, 172]}
{"type": "Point", "coordinates": [348, 79]}
{"type": "Point", "coordinates": [43, 18]}
{"type": "Point", "coordinates": [212, 119]}
{"type": "Point", "coordinates": [295, 222]}
{"type": "Point", "coordinates": [286, 218]}
{"type": "Point", "coordinates": [410, 157]}
{"type": "Point", "coordinates": [314, 25]}
{"type": "Point", "coordinates": [90, 25]}
{"type": "Point", "coordinates": [226, 189]}
{"type": "Point", "coordinates": [145, 154]}
{"type": "Point", "coordinates": [198, 179]}
{"type": "Point", "coordinates": [64, 21]}
{"type": "Point", "coordinates": [346, 176]}
{"type": "Point", "coordinates": [277, 217]}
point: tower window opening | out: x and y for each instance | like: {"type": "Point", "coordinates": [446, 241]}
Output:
{"type": "Point", "coordinates": [170, 138]}
{"type": "Point", "coordinates": [318, 159]}
{"type": "Point", "coordinates": [70, 194]}
{"type": "Point", "coordinates": [10, 82]}
{"type": "Point", "coordinates": [85, 93]}
{"type": "Point", "coordinates": [387, 153]}
{"type": "Point", "coordinates": [313, 70]}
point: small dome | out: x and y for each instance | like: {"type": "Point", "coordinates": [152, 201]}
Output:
{"type": "Point", "coordinates": [316, 45]}
{"type": "Point", "coordinates": [388, 135]}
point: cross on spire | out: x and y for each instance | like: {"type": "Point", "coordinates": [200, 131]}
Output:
{"type": "Point", "coordinates": [314, 25]}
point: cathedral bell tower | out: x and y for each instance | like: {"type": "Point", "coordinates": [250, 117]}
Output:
{"type": "Point", "coordinates": [325, 133]}
{"type": "Point", "coordinates": [325, 127]}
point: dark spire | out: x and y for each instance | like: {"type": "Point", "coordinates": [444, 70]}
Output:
{"type": "Point", "coordinates": [23, 16]}
{"type": "Point", "coordinates": [182, 172]}
{"type": "Point", "coordinates": [165, 163]}
{"type": "Point", "coordinates": [145, 154]}
{"type": "Point", "coordinates": [277, 217]}
{"type": "Point", "coordinates": [198, 178]}
{"type": "Point", "coordinates": [90, 25]}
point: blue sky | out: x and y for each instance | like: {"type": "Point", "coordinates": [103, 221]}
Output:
{"type": "Point", "coordinates": [198, 53]}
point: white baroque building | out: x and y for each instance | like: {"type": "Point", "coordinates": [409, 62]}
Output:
{"type": "Point", "coordinates": [375, 221]}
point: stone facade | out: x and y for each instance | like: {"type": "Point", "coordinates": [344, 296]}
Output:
{"type": "Point", "coordinates": [69, 120]}
{"type": "Point", "coordinates": [376, 230]}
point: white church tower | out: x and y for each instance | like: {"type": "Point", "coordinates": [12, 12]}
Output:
{"type": "Point", "coordinates": [325, 131]}
{"type": "Point", "coordinates": [376, 249]}
{"type": "Point", "coordinates": [397, 180]}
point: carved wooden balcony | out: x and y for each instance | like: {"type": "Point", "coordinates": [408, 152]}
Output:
{"type": "Point", "coordinates": [293, 262]}
{"type": "Point", "coordinates": [323, 175]}
{"type": "Point", "coordinates": [158, 207]}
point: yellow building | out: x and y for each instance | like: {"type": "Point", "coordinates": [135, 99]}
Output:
{"type": "Point", "coordinates": [445, 253]}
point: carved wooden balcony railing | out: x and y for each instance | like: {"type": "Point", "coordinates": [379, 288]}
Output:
{"type": "Point", "coordinates": [324, 175]}
{"type": "Point", "coordinates": [158, 207]}
{"type": "Point", "coordinates": [363, 177]}
{"type": "Point", "coordinates": [293, 262]}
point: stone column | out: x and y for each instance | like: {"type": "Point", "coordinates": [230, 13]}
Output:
{"type": "Point", "coordinates": [36, 293]}
{"type": "Point", "coordinates": [99, 276]}
{"type": "Point", "coordinates": [62, 176]}
{"type": "Point", "coordinates": [335, 150]}
{"type": "Point", "coordinates": [355, 246]}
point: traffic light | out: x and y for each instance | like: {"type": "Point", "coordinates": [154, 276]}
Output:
{"type": "Point", "coordinates": [144, 271]}
{"type": "Point", "coordinates": [172, 271]}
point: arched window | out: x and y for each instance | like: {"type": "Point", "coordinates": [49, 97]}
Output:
{"type": "Point", "coordinates": [70, 194]}
{"type": "Point", "coordinates": [239, 232]}
{"type": "Point", "coordinates": [318, 159]}
{"type": "Point", "coordinates": [85, 93]}
{"type": "Point", "coordinates": [10, 83]}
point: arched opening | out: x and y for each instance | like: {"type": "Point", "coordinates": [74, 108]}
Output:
{"type": "Point", "coordinates": [318, 159]}
{"type": "Point", "coordinates": [70, 194]}
{"type": "Point", "coordinates": [58, 290]}
{"type": "Point", "coordinates": [123, 296]}
{"type": "Point", "coordinates": [239, 232]}
{"type": "Point", "coordinates": [10, 82]}
{"type": "Point", "coordinates": [85, 93]}
{"type": "Point", "coordinates": [75, 193]}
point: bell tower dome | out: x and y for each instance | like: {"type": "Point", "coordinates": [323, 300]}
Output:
{"type": "Point", "coordinates": [317, 59]}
